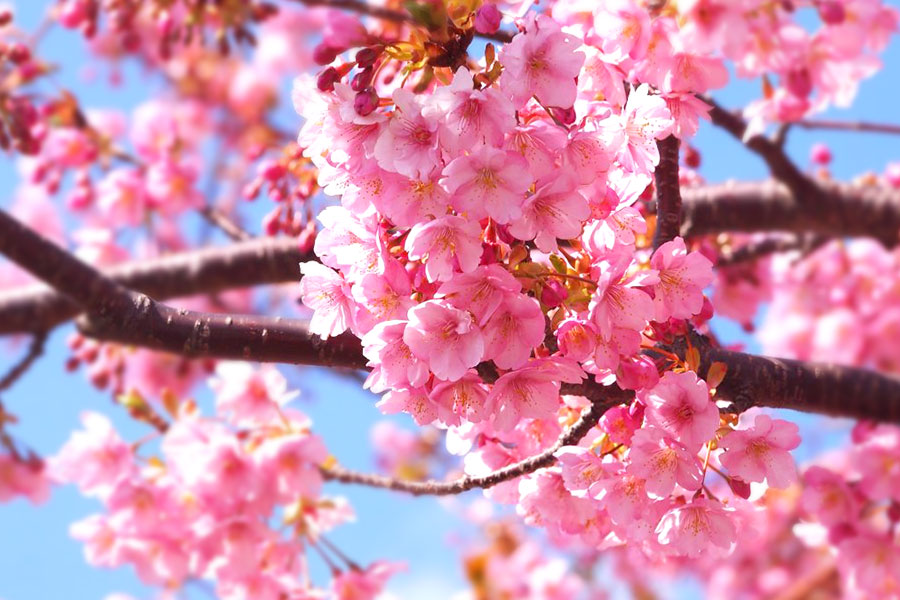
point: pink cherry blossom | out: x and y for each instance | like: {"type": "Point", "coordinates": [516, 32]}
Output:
{"type": "Point", "coordinates": [446, 338]}
{"type": "Point", "coordinates": [94, 459]}
{"type": "Point", "coordinates": [531, 391]}
{"type": "Point", "coordinates": [326, 292]}
{"type": "Point", "coordinates": [248, 395]}
{"type": "Point", "coordinates": [464, 399]}
{"type": "Point", "coordinates": [762, 451]}
{"type": "Point", "coordinates": [446, 245]}
{"type": "Point", "coordinates": [487, 182]}
{"type": "Point", "coordinates": [393, 363]}
{"type": "Point", "coordinates": [513, 331]}
{"type": "Point", "coordinates": [662, 462]}
{"type": "Point", "coordinates": [682, 277]}
{"type": "Point", "coordinates": [680, 405]}
{"type": "Point", "coordinates": [542, 62]}
{"type": "Point", "coordinates": [555, 210]}
{"type": "Point", "coordinates": [690, 530]}
{"type": "Point", "coordinates": [480, 292]}
{"type": "Point", "coordinates": [645, 119]}
{"type": "Point", "coordinates": [408, 144]}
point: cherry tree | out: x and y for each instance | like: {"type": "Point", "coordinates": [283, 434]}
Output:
{"type": "Point", "coordinates": [493, 218]}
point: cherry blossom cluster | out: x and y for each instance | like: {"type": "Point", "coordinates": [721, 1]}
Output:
{"type": "Point", "coordinates": [487, 249]}
{"type": "Point", "coordinates": [839, 304]}
{"type": "Point", "coordinates": [214, 498]}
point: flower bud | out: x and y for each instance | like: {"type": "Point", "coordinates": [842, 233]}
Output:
{"type": "Point", "coordinates": [366, 102]}
{"type": "Point", "coordinates": [487, 19]}
{"type": "Point", "coordinates": [327, 78]}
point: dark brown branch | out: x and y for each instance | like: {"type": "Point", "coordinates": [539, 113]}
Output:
{"type": "Point", "coordinates": [238, 337]}
{"type": "Point", "coordinates": [858, 126]}
{"type": "Point", "coordinates": [130, 317]}
{"type": "Point", "coordinates": [208, 270]}
{"type": "Point", "coordinates": [668, 193]}
{"type": "Point", "coordinates": [589, 418]}
{"type": "Point", "coordinates": [35, 350]}
{"type": "Point", "coordinates": [821, 388]}
{"type": "Point", "coordinates": [387, 14]}
{"type": "Point", "coordinates": [804, 189]}
{"type": "Point", "coordinates": [768, 246]}
{"type": "Point", "coordinates": [838, 210]}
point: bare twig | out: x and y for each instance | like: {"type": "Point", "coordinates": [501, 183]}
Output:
{"type": "Point", "coordinates": [216, 217]}
{"type": "Point", "coordinates": [589, 418]}
{"type": "Point", "coordinates": [857, 126]}
{"type": "Point", "coordinates": [35, 350]}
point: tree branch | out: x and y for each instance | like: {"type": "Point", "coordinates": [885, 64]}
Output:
{"type": "Point", "coordinates": [612, 396]}
{"type": "Point", "coordinates": [837, 210]}
{"type": "Point", "coordinates": [827, 389]}
{"type": "Point", "coordinates": [209, 270]}
{"type": "Point", "coordinates": [668, 192]}
{"type": "Point", "coordinates": [804, 189]}
{"type": "Point", "coordinates": [388, 14]}
{"type": "Point", "coordinates": [849, 126]}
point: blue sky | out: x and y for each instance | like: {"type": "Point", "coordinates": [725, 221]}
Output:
{"type": "Point", "coordinates": [38, 560]}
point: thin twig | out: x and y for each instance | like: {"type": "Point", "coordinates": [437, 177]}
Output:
{"type": "Point", "coordinates": [216, 217]}
{"type": "Point", "coordinates": [856, 126]}
{"type": "Point", "coordinates": [573, 435]}
{"type": "Point", "coordinates": [35, 350]}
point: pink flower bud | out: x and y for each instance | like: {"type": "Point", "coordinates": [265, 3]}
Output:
{"type": "Point", "coordinates": [362, 80]}
{"type": "Point", "coordinates": [892, 174]}
{"type": "Point", "coordinates": [324, 55]}
{"type": "Point", "coordinates": [487, 19]}
{"type": "Point", "coordinates": [554, 293]}
{"type": "Point", "coordinates": [327, 78]}
{"type": "Point", "coordinates": [819, 154]}
{"type": "Point", "coordinates": [365, 102]}
{"type": "Point", "coordinates": [799, 83]}
{"type": "Point", "coordinates": [832, 12]}
{"type": "Point", "coordinates": [366, 57]}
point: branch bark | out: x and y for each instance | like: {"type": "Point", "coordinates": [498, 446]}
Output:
{"type": "Point", "coordinates": [837, 210]}
{"type": "Point", "coordinates": [209, 270]}
{"type": "Point", "coordinates": [668, 192]}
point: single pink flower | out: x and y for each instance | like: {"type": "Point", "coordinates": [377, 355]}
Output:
{"type": "Point", "coordinates": [326, 292]}
{"type": "Point", "coordinates": [682, 277]}
{"type": "Point", "coordinates": [408, 144]}
{"type": "Point", "coordinates": [662, 462]}
{"type": "Point", "coordinates": [828, 498]}
{"type": "Point", "coordinates": [762, 451]}
{"type": "Point", "coordinates": [446, 338]}
{"type": "Point", "coordinates": [691, 529]}
{"type": "Point", "coordinates": [531, 391]}
{"type": "Point", "coordinates": [513, 331]}
{"type": "Point", "coordinates": [250, 395]}
{"type": "Point", "coordinates": [542, 62]}
{"type": "Point", "coordinates": [487, 182]}
{"type": "Point", "coordinates": [94, 459]}
{"type": "Point", "coordinates": [446, 245]}
{"type": "Point", "coordinates": [465, 398]}
{"type": "Point", "coordinates": [393, 363]}
{"type": "Point", "coordinates": [480, 292]}
{"type": "Point", "coordinates": [555, 211]}
{"type": "Point", "coordinates": [680, 405]}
